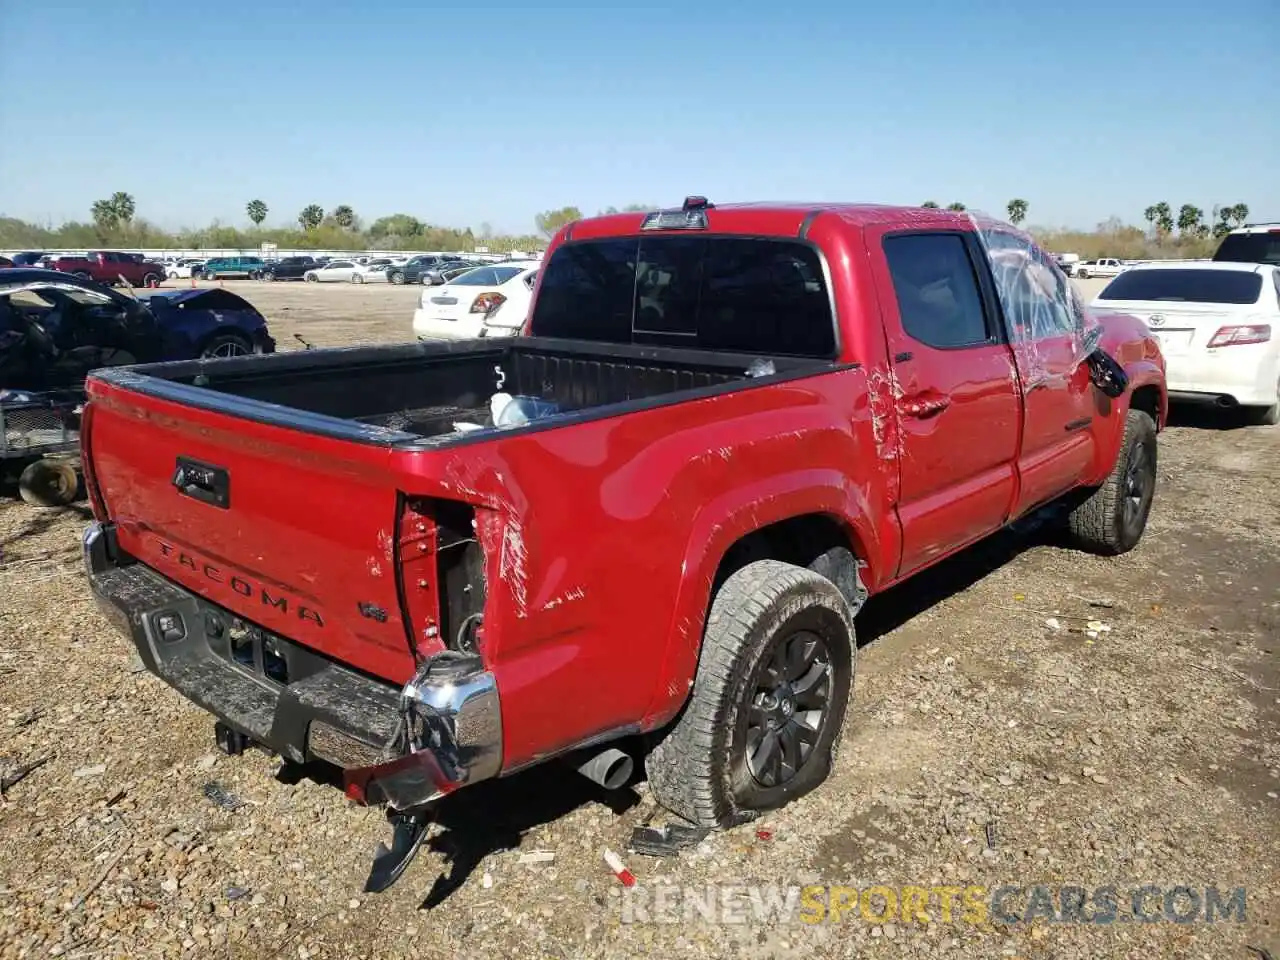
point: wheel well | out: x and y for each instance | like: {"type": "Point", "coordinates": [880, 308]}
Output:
{"type": "Point", "coordinates": [800, 541]}
{"type": "Point", "coordinates": [237, 334]}
{"type": "Point", "coordinates": [1147, 399]}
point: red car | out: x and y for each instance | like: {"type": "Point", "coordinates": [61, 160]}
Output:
{"type": "Point", "coordinates": [112, 268]}
{"type": "Point", "coordinates": [644, 528]}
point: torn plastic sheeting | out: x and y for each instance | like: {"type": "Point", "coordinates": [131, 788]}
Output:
{"type": "Point", "coordinates": [1037, 299]}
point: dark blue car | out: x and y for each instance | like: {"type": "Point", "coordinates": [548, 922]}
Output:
{"type": "Point", "coordinates": [54, 327]}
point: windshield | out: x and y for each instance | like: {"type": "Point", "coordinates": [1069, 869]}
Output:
{"type": "Point", "coordinates": [713, 293]}
{"type": "Point", "coordinates": [1190, 286]}
{"type": "Point", "coordinates": [1250, 248]}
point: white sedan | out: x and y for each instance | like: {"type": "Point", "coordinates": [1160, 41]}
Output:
{"type": "Point", "coordinates": [333, 271]}
{"type": "Point", "coordinates": [373, 270]}
{"type": "Point", "coordinates": [182, 269]}
{"type": "Point", "coordinates": [491, 300]}
{"type": "Point", "coordinates": [1218, 325]}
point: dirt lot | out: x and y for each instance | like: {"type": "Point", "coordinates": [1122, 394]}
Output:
{"type": "Point", "coordinates": [985, 747]}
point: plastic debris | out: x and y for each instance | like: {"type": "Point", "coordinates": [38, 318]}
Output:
{"type": "Point", "coordinates": [537, 856]}
{"type": "Point", "coordinates": [487, 880]}
{"type": "Point", "coordinates": [765, 835]}
{"type": "Point", "coordinates": [218, 794]}
{"type": "Point", "coordinates": [237, 893]}
{"type": "Point", "coordinates": [1097, 626]}
{"type": "Point", "coordinates": [615, 864]}
{"type": "Point", "coordinates": [94, 771]}
{"type": "Point", "coordinates": [1053, 623]}
{"type": "Point", "coordinates": [665, 841]}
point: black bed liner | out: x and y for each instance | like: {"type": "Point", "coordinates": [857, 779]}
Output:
{"type": "Point", "coordinates": [411, 395]}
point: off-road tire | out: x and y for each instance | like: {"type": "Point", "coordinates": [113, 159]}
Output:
{"type": "Point", "coordinates": [1103, 523]}
{"type": "Point", "coordinates": [699, 769]}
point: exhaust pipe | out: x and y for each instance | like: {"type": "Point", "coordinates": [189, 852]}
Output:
{"type": "Point", "coordinates": [610, 767]}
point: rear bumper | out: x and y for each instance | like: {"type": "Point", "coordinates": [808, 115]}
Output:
{"type": "Point", "coordinates": [296, 702]}
{"type": "Point", "coordinates": [1246, 375]}
{"type": "Point", "coordinates": [426, 325]}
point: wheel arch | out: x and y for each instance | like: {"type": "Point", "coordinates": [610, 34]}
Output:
{"type": "Point", "coordinates": [795, 525]}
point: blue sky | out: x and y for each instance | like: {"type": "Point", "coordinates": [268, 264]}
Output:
{"type": "Point", "coordinates": [465, 113]}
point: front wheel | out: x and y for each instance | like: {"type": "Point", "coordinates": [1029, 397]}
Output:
{"type": "Point", "coordinates": [225, 345]}
{"type": "Point", "coordinates": [397, 277]}
{"type": "Point", "coordinates": [312, 278]}
{"type": "Point", "coordinates": [151, 280]}
{"type": "Point", "coordinates": [357, 278]}
{"type": "Point", "coordinates": [1113, 517]}
{"type": "Point", "coordinates": [210, 275]}
{"type": "Point", "coordinates": [1083, 274]}
{"type": "Point", "coordinates": [768, 701]}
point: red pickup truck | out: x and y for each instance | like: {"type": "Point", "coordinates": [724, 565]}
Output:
{"type": "Point", "coordinates": [110, 267]}
{"type": "Point", "coordinates": [643, 528]}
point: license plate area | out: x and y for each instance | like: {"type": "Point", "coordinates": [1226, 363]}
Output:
{"type": "Point", "coordinates": [445, 301]}
{"type": "Point", "coordinates": [1173, 341]}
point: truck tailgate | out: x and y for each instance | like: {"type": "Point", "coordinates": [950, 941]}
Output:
{"type": "Point", "coordinates": [291, 531]}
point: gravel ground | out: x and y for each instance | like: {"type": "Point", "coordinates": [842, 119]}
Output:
{"type": "Point", "coordinates": [984, 747]}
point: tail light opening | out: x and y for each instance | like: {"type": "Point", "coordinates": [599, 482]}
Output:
{"type": "Point", "coordinates": [487, 301]}
{"type": "Point", "coordinates": [1241, 334]}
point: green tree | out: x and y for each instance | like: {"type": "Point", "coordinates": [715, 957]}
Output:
{"type": "Point", "coordinates": [1163, 219]}
{"type": "Point", "coordinates": [1189, 217]}
{"type": "Point", "coordinates": [1237, 214]}
{"type": "Point", "coordinates": [104, 215]}
{"type": "Point", "coordinates": [957, 206]}
{"type": "Point", "coordinates": [311, 216]}
{"type": "Point", "coordinates": [343, 216]}
{"type": "Point", "coordinates": [124, 207]}
{"type": "Point", "coordinates": [930, 204]}
{"type": "Point", "coordinates": [1149, 215]}
{"type": "Point", "coordinates": [400, 225]}
{"type": "Point", "coordinates": [549, 221]}
{"type": "Point", "coordinates": [257, 211]}
{"type": "Point", "coordinates": [1017, 210]}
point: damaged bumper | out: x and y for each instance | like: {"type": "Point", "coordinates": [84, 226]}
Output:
{"type": "Point", "coordinates": [401, 746]}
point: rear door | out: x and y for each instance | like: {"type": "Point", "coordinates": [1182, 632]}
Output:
{"type": "Point", "coordinates": [953, 374]}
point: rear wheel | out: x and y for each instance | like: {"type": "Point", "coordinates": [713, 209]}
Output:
{"type": "Point", "coordinates": [210, 275]}
{"type": "Point", "coordinates": [269, 276]}
{"type": "Point", "coordinates": [768, 701]}
{"type": "Point", "coordinates": [49, 483]}
{"type": "Point", "coordinates": [225, 345]}
{"type": "Point", "coordinates": [82, 274]}
{"type": "Point", "coordinates": [1082, 273]}
{"type": "Point", "coordinates": [357, 278]}
{"type": "Point", "coordinates": [312, 278]}
{"type": "Point", "coordinates": [151, 280]}
{"type": "Point", "coordinates": [1112, 519]}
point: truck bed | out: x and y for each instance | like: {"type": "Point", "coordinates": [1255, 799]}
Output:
{"type": "Point", "coordinates": [416, 393]}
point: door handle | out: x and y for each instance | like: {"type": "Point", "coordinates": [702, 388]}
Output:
{"type": "Point", "coordinates": [921, 407]}
{"type": "Point", "coordinates": [203, 482]}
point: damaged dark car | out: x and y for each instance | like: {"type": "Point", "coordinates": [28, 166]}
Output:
{"type": "Point", "coordinates": [55, 328]}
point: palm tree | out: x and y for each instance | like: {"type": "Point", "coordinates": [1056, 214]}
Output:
{"type": "Point", "coordinates": [1164, 219]}
{"type": "Point", "coordinates": [1189, 217]}
{"type": "Point", "coordinates": [104, 215]}
{"type": "Point", "coordinates": [124, 207]}
{"type": "Point", "coordinates": [930, 204]}
{"type": "Point", "coordinates": [257, 211]}
{"type": "Point", "coordinates": [343, 216]}
{"type": "Point", "coordinates": [957, 206]}
{"type": "Point", "coordinates": [1237, 214]}
{"type": "Point", "coordinates": [311, 216]}
{"type": "Point", "coordinates": [1017, 210]}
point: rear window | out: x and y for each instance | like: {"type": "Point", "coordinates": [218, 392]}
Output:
{"type": "Point", "coordinates": [712, 293]}
{"type": "Point", "coordinates": [1250, 248]}
{"type": "Point", "coordinates": [1190, 286]}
